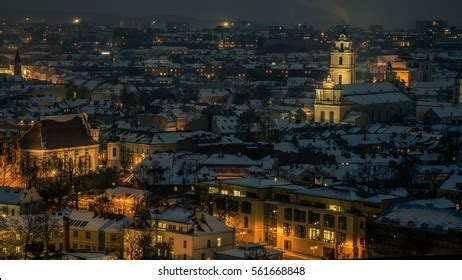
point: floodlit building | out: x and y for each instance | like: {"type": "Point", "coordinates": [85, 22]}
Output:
{"type": "Point", "coordinates": [86, 231]}
{"type": "Point", "coordinates": [321, 222]}
{"type": "Point", "coordinates": [64, 138]}
{"type": "Point", "coordinates": [249, 252]}
{"type": "Point", "coordinates": [343, 60]}
{"type": "Point", "coordinates": [411, 231]}
{"type": "Point", "coordinates": [15, 201]}
{"type": "Point", "coordinates": [340, 100]}
{"type": "Point", "coordinates": [185, 234]}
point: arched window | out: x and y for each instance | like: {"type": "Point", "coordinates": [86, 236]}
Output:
{"type": "Point", "coordinates": [340, 60]}
{"type": "Point", "coordinates": [331, 117]}
{"type": "Point", "coordinates": [323, 117]}
{"type": "Point", "coordinates": [341, 46]}
{"type": "Point", "coordinates": [340, 79]}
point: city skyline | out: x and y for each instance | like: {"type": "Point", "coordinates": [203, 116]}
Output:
{"type": "Point", "coordinates": [319, 13]}
{"type": "Point", "coordinates": [186, 138]}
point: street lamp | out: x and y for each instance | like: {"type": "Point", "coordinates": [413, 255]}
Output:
{"type": "Point", "coordinates": [313, 248]}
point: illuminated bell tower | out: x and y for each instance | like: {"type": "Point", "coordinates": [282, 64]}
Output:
{"type": "Point", "coordinates": [343, 60]}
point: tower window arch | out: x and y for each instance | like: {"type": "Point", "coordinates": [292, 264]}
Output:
{"type": "Point", "coordinates": [340, 60]}
{"type": "Point", "coordinates": [331, 117]}
{"type": "Point", "coordinates": [323, 117]}
{"type": "Point", "coordinates": [341, 46]}
{"type": "Point", "coordinates": [340, 79]}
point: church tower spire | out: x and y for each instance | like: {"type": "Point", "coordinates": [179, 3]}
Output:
{"type": "Point", "coordinates": [17, 65]}
{"type": "Point", "coordinates": [343, 60]}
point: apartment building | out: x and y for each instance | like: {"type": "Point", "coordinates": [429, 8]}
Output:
{"type": "Point", "coordinates": [320, 222]}
{"type": "Point", "coordinates": [186, 233]}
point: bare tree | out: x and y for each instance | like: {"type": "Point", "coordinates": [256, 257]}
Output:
{"type": "Point", "coordinates": [49, 228]}
{"type": "Point", "coordinates": [26, 228]}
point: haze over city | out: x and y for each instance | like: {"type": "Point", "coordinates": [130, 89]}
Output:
{"type": "Point", "coordinates": [319, 13]}
{"type": "Point", "coordinates": [230, 130]}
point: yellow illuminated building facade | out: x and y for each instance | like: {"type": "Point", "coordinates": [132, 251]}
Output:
{"type": "Point", "coordinates": [192, 236]}
{"type": "Point", "coordinates": [86, 231]}
{"type": "Point", "coordinates": [339, 99]}
{"type": "Point", "coordinates": [318, 222]}
{"type": "Point", "coordinates": [343, 60]}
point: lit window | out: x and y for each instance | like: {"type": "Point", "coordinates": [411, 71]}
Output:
{"type": "Point", "coordinates": [218, 242]}
{"type": "Point", "coordinates": [329, 236]}
{"type": "Point", "coordinates": [313, 233]}
{"type": "Point", "coordinates": [335, 208]}
{"type": "Point", "coordinates": [237, 193]}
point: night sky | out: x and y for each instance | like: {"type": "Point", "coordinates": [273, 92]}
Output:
{"type": "Point", "coordinates": [315, 12]}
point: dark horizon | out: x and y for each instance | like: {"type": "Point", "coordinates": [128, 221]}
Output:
{"type": "Point", "coordinates": [319, 13]}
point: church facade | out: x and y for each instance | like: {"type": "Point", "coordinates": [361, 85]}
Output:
{"type": "Point", "coordinates": [60, 140]}
{"type": "Point", "coordinates": [339, 99]}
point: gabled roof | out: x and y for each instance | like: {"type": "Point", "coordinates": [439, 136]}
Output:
{"type": "Point", "coordinates": [11, 196]}
{"type": "Point", "coordinates": [16, 196]}
{"type": "Point", "coordinates": [57, 132]}
{"type": "Point", "coordinates": [427, 218]}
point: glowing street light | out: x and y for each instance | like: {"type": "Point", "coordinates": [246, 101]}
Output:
{"type": "Point", "coordinates": [76, 21]}
{"type": "Point", "coordinates": [313, 248]}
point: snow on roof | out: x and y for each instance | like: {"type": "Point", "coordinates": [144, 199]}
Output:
{"type": "Point", "coordinates": [440, 202]}
{"type": "Point", "coordinates": [199, 222]}
{"type": "Point", "coordinates": [352, 116]}
{"type": "Point", "coordinates": [227, 159]}
{"type": "Point", "coordinates": [11, 196]}
{"type": "Point", "coordinates": [226, 124]}
{"type": "Point", "coordinates": [368, 88]}
{"type": "Point", "coordinates": [175, 168]}
{"type": "Point", "coordinates": [287, 147]}
{"type": "Point", "coordinates": [248, 251]}
{"type": "Point", "coordinates": [429, 218]}
{"type": "Point", "coordinates": [255, 169]}
{"type": "Point", "coordinates": [347, 195]}
{"type": "Point", "coordinates": [125, 192]}
{"type": "Point", "coordinates": [453, 111]}
{"type": "Point", "coordinates": [173, 137]}
{"type": "Point", "coordinates": [378, 98]}
{"type": "Point", "coordinates": [366, 139]}
{"type": "Point", "coordinates": [255, 183]}
{"type": "Point", "coordinates": [92, 221]}
{"type": "Point", "coordinates": [453, 183]}
{"type": "Point", "coordinates": [173, 214]}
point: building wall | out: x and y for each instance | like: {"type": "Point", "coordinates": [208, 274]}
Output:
{"type": "Point", "coordinates": [267, 221]}
{"type": "Point", "coordinates": [339, 112]}
{"type": "Point", "coordinates": [322, 245]}
{"type": "Point", "coordinates": [88, 240]}
{"type": "Point", "coordinates": [183, 245]}
{"type": "Point", "coordinates": [9, 210]}
{"type": "Point", "coordinates": [127, 154]}
{"type": "Point", "coordinates": [74, 153]}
